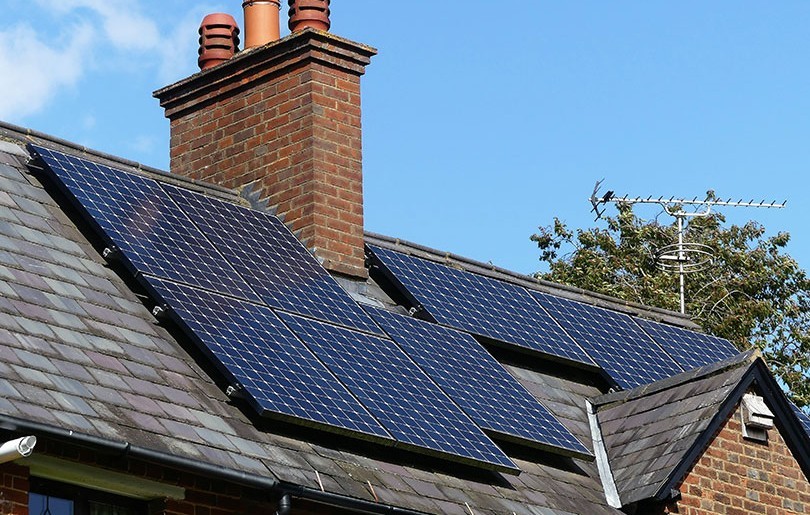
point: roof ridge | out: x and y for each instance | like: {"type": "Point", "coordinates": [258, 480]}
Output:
{"type": "Point", "coordinates": [562, 290]}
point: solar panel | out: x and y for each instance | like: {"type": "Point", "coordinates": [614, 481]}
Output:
{"type": "Point", "coordinates": [689, 348]}
{"type": "Point", "coordinates": [251, 346]}
{"type": "Point", "coordinates": [133, 213]}
{"type": "Point", "coordinates": [614, 341]}
{"type": "Point", "coordinates": [804, 418]}
{"type": "Point", "coordinates": [278, 267]}
{"type": "Point", "coordinates": [480, 305]}
{"type": "Point", "coordinates": [407, 403]}
{"type": "Point", "coordinates": [475, 380]}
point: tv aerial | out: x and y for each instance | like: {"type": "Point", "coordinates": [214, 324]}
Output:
{"type": "Point", "coordinates": [682, 257]}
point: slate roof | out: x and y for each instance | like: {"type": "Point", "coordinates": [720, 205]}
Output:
{"type": "Point", "coordinates": [652, 434]}
{"type": "Point", "coordinates": [81, 356]}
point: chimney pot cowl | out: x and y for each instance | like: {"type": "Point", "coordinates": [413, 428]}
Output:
{"type": "Point", "coordinates": [309, 13]}
{"type": "Point", "coordinates": [219, 40]}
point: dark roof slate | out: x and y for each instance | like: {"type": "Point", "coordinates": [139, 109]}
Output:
{"type": "Point", "coordinates": [647, 431]}
{"type": "Point", "coordinates": [79, 350]}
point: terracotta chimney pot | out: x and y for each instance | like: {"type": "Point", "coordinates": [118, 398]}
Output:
{"type": "Point", "coordinates": [219, 40]}
{"type": "Point", "coordinates": [261, 22]}
{"type": "Point", "coordinates": [309, 13]}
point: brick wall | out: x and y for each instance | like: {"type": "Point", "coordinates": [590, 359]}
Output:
{"type": "Point", "coordinates": [736, 476]}
{"type": "Point", "coordinates": [284, 119]}
{"type": "Point", "coordinates": [203, 496]}
{"type": "Point", "coordinates": [14, 489]}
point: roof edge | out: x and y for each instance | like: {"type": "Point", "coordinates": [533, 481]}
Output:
{"type": "Point", "coordinates": [24, 135]}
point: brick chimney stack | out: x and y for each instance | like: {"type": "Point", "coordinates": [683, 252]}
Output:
{"type": "Point", "coordinates": [283, 120]}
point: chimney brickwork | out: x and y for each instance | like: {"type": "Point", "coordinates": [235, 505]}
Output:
{"type": "Point", "coordinates": [283, 120]}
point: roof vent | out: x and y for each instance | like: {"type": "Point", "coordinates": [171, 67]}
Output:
{"type": "Point", "coordinates": [219, 39]}
{"type": "Point", "coordinates": [261, 22]}
{"type": "Point", "coordinates": [756, 418]}
{"type": "Point", "coordinates": [309, 13]}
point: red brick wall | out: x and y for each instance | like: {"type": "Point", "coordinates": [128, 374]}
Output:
{"type": "Point", "coordinates": [14, 489]}
{"type": "Point", "coordinates": [203, 496]}
{"type": "Point", "coordinates": [736, 476]}
{"type": "Point", "coordinates": [285, 119]}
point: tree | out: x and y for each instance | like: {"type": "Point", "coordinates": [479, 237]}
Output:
{"type": "Point", "coordinates": [752, 294]}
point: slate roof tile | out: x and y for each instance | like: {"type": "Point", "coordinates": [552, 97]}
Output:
{"type": "Point", "coordinates": [298, 477]}
{"type": "Point", "coordinates": [40, 413]}
{"type": "Point", "coordinates": [75, 421]}
{"type": "Point", "coordinates": [450, 508]}
{"type": "Point", "coordinates": [249, 464]}
{"type": "Point", "coordinates": [111, 380]}
{"type": "Point", "coordinates": [32, 376]}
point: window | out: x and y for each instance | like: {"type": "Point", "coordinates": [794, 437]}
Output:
{"type": "Point", "coordinates": [52, 498]}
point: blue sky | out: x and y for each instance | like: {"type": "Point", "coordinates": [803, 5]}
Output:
{"type": "Point", "coordinates": [482, 120]}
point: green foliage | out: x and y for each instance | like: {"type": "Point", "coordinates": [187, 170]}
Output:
{"type": "Point", "coordinates": [752, 294]}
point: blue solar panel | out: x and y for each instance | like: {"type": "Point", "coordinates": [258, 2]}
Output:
{"type": "Point", "coordinates": [475, 380]}
{"type": "Point", "coordinates": [804, 418]}
{"type": "Point", "coordinates": [407, 403]}
{"type": "Point", "coordinates": [614, 341]}
{"type": "Point", "coordinates": [689, 348]}
{"type": "Point", "coordinates": [278, 267]}
{"type": "Point", "coordinates": [254, 348]}
{"type": "Point", "coordinates": [480, 305]}
{"type": "Point", "coordinates": [137, 216]}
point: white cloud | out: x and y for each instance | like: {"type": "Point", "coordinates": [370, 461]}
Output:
{"type": "Point", "coordinates": [38, 61]}
{"type": "Point", "coordinates": [125, 27]}
{"type": "Point", "coordinates": [33, 71]}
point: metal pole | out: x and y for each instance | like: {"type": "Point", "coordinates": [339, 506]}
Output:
{"type": "Point", "coordinates": [680, 263]}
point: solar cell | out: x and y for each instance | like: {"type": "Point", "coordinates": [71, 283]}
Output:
{"type": "Point", "coordinates": [689, 348]}
{"type": "Point", "coordinates": [278, 267]}
{"type": "Point", "coordinates": [407, 403]}
{"type": "Point", "coordinates": [133, 213]}
{"type": "Point", "coordinates": [475, 380]}
{"type": "Point", "coordinates": [480, 305]}
{"type": "Point", "coordinates": [614, 341]}
{"type": "Point", "coordinates": [253, 348]}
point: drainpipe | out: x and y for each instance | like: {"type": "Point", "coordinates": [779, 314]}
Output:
{"type": "Point", "coordinates": [284, 505]}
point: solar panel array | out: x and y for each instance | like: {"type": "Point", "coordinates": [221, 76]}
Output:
{"type": "Point", "coordinates": [259, 353]}
{"type": "Point", "coordinates": [264, 251]}
{"type": "Point", "coordinates": [399, 394]}
{"type": "Point", "coordinates": [224, 270]}
{"type": "Point", "coordinates": [689, 348]}
{"type": "Point", "coordinates": [614, 341]}
{"type": "Point", "coordinates": [471, 376]}
{"type": "Point", "coordinates": [136, 215]}
{"type": "Point", "coordinates": [480, 305]}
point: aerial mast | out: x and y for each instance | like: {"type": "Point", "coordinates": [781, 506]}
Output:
{"type": "Point", "coordinates": [682, 257]}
